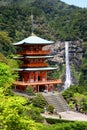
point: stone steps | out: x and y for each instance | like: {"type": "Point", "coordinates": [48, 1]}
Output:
{"type": "Point", "coordinates": [57, 100]}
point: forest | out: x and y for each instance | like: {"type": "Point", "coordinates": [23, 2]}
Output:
{"type": "Point", "coordinates": [53, 20]}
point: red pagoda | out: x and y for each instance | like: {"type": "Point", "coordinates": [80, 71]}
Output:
{"type": "Point", "coordinates": [33, 69]}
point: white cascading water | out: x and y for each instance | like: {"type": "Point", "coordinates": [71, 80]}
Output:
{"type": "Point", "coordinates": [68, 73]}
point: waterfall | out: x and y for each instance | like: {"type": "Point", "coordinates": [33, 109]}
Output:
{"type": "Point", "coordinates": [68, 73]}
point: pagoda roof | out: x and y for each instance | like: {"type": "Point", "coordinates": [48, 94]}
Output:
{"type": "Point", "coordinates": [33, 40]}
{"type": "Point", "coordinates": [37, 69]}
{"type": "Point", "coordinates": [32, 57]}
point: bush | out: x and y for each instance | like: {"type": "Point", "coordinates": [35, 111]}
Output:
{"type": "Point", "coordinates": [55, 121]}
{"type": "Point", "coordinates": [50, 108]}
{"type": "Point", "coordinates": [39, 101]}
{"type": "Point", "coordinates": [34, 113]}
{"type": "Point", "coordinates": [29, 90]}
{"type": "Point", "coordinates": [67, 125]}
{"type": "Point", "coordinates": [69, 93]}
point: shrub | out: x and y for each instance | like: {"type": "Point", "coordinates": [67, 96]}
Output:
{"type": "Point", "coordinates": [29, 90]}
{"type": "Point", "coordinates": [39, 101]}
{"type": "Point", "coordinates": [50, 108]}
{"type": "Point", "coordinates": [55, 121]}
{"type": "Point", "coordinates": [34, 113]}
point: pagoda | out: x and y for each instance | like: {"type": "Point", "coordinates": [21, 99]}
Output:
{"type": "Point", "coordinates": [33, 68]}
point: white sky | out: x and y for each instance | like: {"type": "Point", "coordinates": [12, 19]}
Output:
{"type": "Point", "coordinates": [79, 3]}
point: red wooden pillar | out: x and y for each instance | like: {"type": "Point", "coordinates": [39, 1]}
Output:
{"type": "Point", "coordinates": [48, 87]}
{"type": "Point", "coordinates": [53, 87]}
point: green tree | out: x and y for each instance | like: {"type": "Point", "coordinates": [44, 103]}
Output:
{"type": "Point", "coordinates": [5, 44]}
{"type": "Point", "coordinates": [12, 115]}
{"type": "Point", "coordinates": [3, 59]}
{"type": "Point", "coordinates": [6, 77]}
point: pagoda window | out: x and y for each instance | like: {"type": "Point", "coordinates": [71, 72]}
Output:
{"type": "Point", "coordinates": [35, 48]}
{"type": "Point", "coordinates": [40, 60]}
{"type": "Point", "coordinates": [26, 62]}
{"type": "Point", "coordinates": [40, 48]}
{"type": "Point", "coordinates": [32, 60]}
{"type": "Point", "coordinates": [36, 60]}
{"type": "Point", "coordinates": [29, 48]}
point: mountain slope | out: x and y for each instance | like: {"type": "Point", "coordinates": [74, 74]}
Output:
{"type": "Point", "coordinates": [67, 22]}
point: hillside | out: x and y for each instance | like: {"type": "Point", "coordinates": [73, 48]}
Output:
{"type": "Point", "coordinates": [65, 21]}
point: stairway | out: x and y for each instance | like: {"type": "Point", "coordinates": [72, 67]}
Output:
{"type": "Point", "coordinates": [57, 100]}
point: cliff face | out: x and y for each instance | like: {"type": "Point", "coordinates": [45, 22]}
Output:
{"type": "Point", "coordinates": [58, 51]}
{"type": "Point", "coordinates": [76, 52]}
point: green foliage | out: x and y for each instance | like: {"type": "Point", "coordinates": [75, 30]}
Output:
{"type": "Point", "coordinates": [67, 126]}
{"type": "Point", "coordinates": [76, 96]}
{"type": "Point", "coordinates": [50, 108]}
{"type": "Point", "coordinates": [83, 104]}
{"type": "Point", "coordinates": [3, 59]}
{"type": "Point", "coordinates": [11, 114]}
{"type": "Point", "coordinates": [6, 77]}
{"type": "Point", "coordinates": [13, 64]}
{"type": "Point", "coordinates": [5, 44]}
{"type": "Point", "coordinates": [29, 90]}
{"type": "Point", "coordinates": [39, 101]}
{"type": "Point", "coordinates": [69, 93]}
{"type": "Point", "coordinates": [61, 20]}
{"type": "Point", "coordinates": [58, 73]}
{"type": "Point", "coordinates": [57, 121]}
{"type": "Point", "coordinates": [34, 113]}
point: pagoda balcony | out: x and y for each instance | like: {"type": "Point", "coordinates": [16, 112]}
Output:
{"type": "Point", "coordinates": [22, 83]}
{"type": "Point", "coordinates": [31, 65]}
{"type": "Point", "coordinates": [33, 53]}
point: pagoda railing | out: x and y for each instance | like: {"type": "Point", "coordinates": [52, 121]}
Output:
{"type": "Point", "coordinates": [35, 65]}
{"type": "Point", "coordinates": [59, 81]}
{"type": "Point", "coordinates": [43, 52]}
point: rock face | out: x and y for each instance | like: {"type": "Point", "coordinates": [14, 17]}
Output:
{"type": "Point", "coordinates": [76, 53]}
{"type": "Point", "coordinates": [58, 52]}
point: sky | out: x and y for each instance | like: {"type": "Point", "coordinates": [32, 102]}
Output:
{"type": "Point", "coordinates": [79, 3]}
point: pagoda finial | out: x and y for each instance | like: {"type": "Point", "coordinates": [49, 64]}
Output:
{"type": "Point", "coordinates": [32, 22]}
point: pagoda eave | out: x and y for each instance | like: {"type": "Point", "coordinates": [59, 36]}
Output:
{"type": "Point", "coordinates": [15, 44]}
{"type": "Point", "coordinates": [37, 69]}
{"type": "Point", "coordinates": [35, 40]}
{"type": "Point", "coordinates": [32, 57]}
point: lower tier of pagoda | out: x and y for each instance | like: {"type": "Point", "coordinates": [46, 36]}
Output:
{"type": "Point", "coordinates": [39, 86]}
